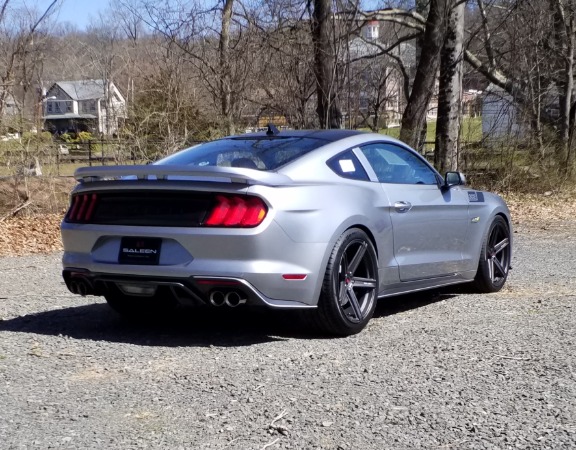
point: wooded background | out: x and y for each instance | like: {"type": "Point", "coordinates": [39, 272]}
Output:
{"type": "Point", "coordinates": [195, 70]}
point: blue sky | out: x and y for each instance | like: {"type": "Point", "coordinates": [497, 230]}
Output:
{"type": "Point", "coordinates": [78, 12]}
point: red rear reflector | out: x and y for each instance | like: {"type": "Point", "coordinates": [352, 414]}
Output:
{"type": "Point", "coordinates": [294, 276]}
{"type": "Point", "coordinates": [236, 211]}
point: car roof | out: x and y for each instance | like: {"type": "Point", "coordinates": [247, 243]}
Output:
{"type": "Point", "coordinates": [330, 135]}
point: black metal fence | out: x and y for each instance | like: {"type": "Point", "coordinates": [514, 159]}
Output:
{"type": "Point", "coordinates": [62, 158]}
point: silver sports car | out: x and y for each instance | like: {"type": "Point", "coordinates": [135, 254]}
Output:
{"type": "Point", "coordinates": [322, 221]}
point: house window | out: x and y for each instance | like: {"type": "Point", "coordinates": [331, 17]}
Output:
{"type": "Point", "coordinates": [50, 107]}
{"type": "Point", "coordinates": [68, 106]}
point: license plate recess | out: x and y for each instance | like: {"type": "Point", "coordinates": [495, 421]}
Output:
{"type": "Point", "coordinates": [140, 250]}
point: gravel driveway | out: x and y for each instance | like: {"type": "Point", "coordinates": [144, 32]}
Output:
{"type": "Point", "coordinates": [447, 369]}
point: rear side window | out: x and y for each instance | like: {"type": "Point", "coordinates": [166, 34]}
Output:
{"type": "Point", "coordinates": [347, 166]}
{"type": "Point", "coordinates": [265, 153]}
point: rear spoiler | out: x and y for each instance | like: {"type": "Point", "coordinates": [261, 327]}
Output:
{"type": "Point", "coordinates": [190, 173]}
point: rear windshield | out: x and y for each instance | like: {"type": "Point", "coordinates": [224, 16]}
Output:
{"type": "Point", "coordinates": [268, 153]}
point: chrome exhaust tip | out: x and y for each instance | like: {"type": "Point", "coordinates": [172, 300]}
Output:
{"type": "Point", "coordinates": [233, 299]}
{"type": "Point", "coordinates": [81, 287]}
{"type": "Point", "coordinates": [73, 287]}
{"type": "Point", "coordinates": [217, 298]}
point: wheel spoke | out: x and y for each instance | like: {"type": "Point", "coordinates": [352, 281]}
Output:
{"type": "Point", "coordinates": [368, 283]}
{"type": "Point", "coordinates": [354, 304]}
{"type": "Point", "coordinates": [357, 258]}
{"type": "Point", "coordinates": [490, 262]}
{"type": "Point", "coordinates": [500, 246]}
{"type": "Point", "coordinates": [498, 266]}
{"type": "Point", "coordinates": [342, 293]}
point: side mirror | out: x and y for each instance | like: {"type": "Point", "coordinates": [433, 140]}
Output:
{"type": "Point", "coordinates": [454, 179]}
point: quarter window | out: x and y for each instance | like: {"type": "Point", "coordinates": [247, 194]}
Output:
{"type": "Point", "coordinates": [347, 166]}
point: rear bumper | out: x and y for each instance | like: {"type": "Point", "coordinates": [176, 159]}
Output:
{"type": "Point", "coordinates": [256, 259]}
{"type": "Point", "coordinates": [193, 290]}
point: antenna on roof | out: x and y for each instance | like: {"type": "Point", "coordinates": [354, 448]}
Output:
{"type": "Point", "coordinates": [272, 130]}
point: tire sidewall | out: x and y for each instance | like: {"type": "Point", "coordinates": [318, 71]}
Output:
{"type": "Point", "coordinates": [329, 300]}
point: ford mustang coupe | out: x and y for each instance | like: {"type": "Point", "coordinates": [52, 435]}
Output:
{"type": "Point", "coordinates": [326, 222]}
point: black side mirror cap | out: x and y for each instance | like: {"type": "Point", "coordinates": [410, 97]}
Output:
{"type": "Point", "coordinates": [454, 179]}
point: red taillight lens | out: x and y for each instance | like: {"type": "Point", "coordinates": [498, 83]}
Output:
{"type": "Point", "coordinates": [82, 208]}
{"type": "Point", "coordinates": [219, 212]}
{"type": "Point", "coordinates": [255, 213]}
{"type": "Point", "coordinates": [236, 212]}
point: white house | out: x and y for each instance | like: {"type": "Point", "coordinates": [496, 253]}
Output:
{"type": "Point", "coordinates": [376, 76]}
{"type": "Point", "coordinates": [96, 106]}
{"type": "Point", "coordinates": [500, 116]}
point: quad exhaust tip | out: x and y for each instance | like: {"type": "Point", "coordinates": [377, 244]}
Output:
{"type": "Point", "coordinates": [231, 299]}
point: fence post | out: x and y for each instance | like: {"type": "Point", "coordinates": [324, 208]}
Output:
{"type": "Point", "coordinates": [57, 161]}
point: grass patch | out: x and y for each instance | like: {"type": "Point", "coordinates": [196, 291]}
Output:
{"type": "Point", "coordinates": [470, 132]}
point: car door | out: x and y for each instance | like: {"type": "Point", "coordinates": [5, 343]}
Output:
{"type": "Point", "coordinates": [429, 223]}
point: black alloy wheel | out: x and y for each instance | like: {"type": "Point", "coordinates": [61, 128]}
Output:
{"type": "Point", "coordinates": [495, 257]}
{"type": "Point", "coordinates": [350, 288]}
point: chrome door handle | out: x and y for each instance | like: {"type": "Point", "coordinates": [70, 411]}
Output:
{"type": "Point", "coordinates": [403, 206]}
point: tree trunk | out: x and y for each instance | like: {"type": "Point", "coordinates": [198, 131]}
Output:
{"type": "Point", "coordinates": [225, 69]}
{"type": "Point", "coordinates": [450, 94]}
{"type": "Point", "coordinates": [414, 117]}
{"type": "Point", "coordinates": [564, 35]}
{"type": "Point", "coordinates": [324, 68]}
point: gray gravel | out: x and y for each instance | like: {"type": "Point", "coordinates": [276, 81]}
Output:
{"type": "Point", "coordinates": [448, 369]}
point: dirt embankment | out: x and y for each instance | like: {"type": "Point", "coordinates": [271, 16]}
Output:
{"type": "Point", "coordinates": [31, 210]}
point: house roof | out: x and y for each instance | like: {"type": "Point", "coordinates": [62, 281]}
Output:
{"type": "Point", "coordinates": [69, 116]}
{"type": "Point", "coordinates": [82, 89]}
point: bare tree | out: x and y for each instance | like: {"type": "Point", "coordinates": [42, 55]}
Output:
{"type": "Point", "coordinates": [414, 116]}
{"type": "Point", "coordinates": [528, 51]}
{"type": "Point", "coordinates": [222, 55]}
{"type": "Point", "coordinates": [564, 34]}
{"type": "Point", "coordinates": [450, 93]}
{"type": "Point", "coordinates": [324, 65]}
{"type": "Point", "coordinates": [17, 47]}
{"type": "Point", "coordinates": [287, 82]}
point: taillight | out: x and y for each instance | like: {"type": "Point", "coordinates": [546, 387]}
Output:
{"type": "Point", "coordinates": [82, 208]}
{"type": "Point", "coordinates": [235, 211]}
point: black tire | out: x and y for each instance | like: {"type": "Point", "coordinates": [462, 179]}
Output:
{"type": "Point", "coordinates": [131, 307]}
{"type": "Point", "coordinates": [495, 256]}
{"type": "Point", "coordinates": [350, 288]}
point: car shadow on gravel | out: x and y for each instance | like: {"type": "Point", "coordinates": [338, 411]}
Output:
{"type": "Point", "coordinates": [195, 327]}
{"type": "Point", "coordinates": [406, 302]}
{"type": "Point", "coordinates": [192, 327]}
